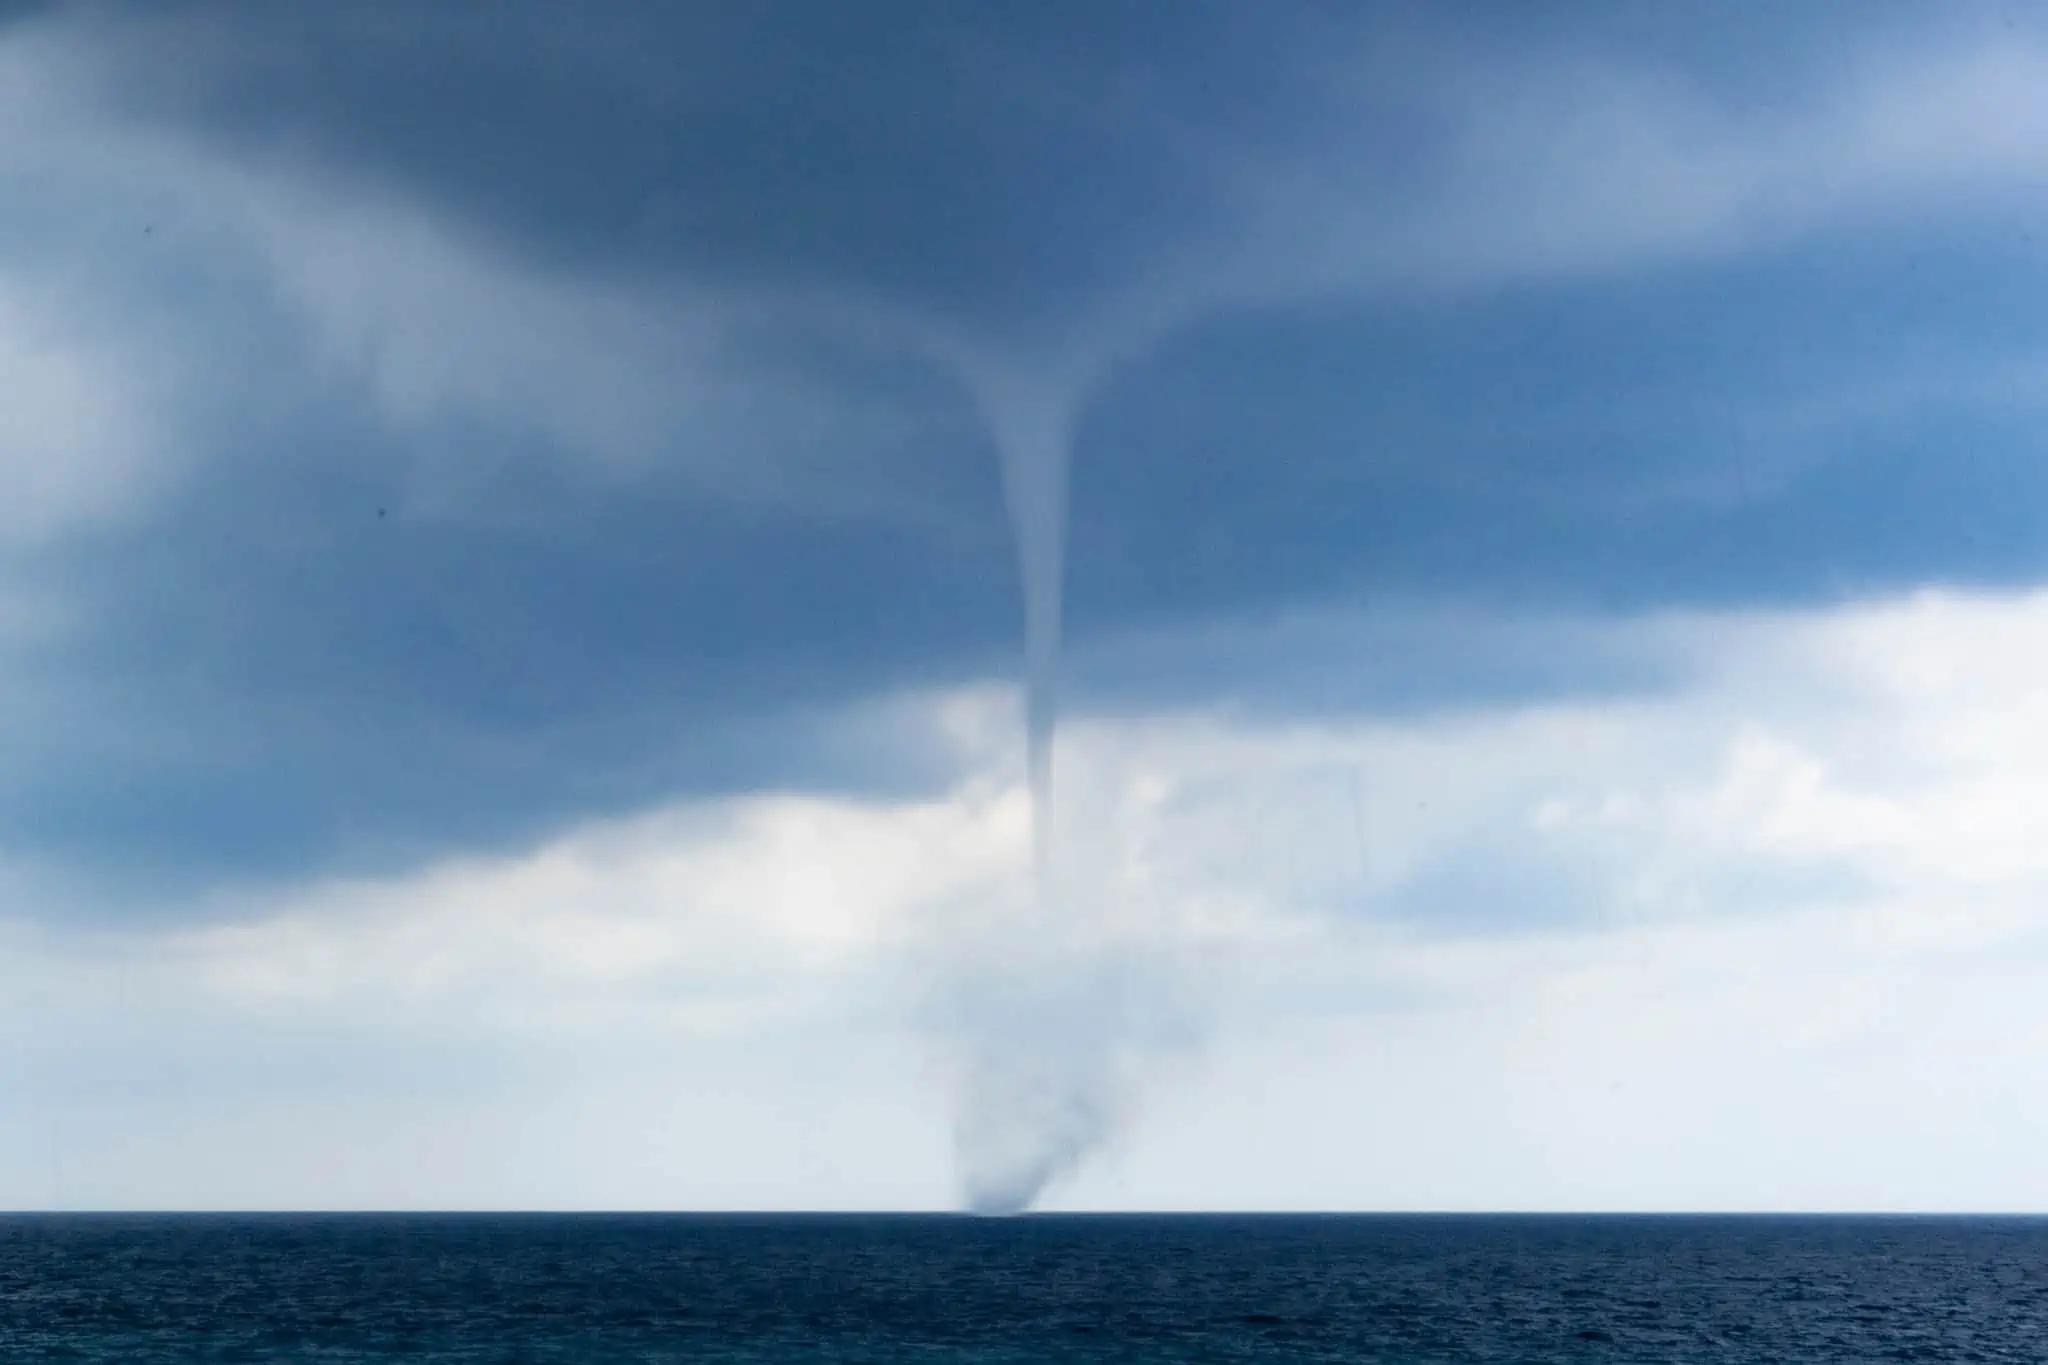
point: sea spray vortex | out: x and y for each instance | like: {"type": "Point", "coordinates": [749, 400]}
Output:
{"type": "Point", "coordinates": [1057, 1040]}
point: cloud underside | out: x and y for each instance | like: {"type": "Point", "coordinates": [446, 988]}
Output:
{"type": "Point", "coordinates": [384, 490]}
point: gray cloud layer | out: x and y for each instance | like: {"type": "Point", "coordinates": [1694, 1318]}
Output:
{"type": "Point", "coordinates": [442, 429]}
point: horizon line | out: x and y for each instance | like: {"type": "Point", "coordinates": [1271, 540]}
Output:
{"type": "Point", "coordinates": [969, 1215]}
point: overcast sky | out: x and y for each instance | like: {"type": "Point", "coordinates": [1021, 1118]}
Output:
{"type": "Point", "coordinates": [510, 635]}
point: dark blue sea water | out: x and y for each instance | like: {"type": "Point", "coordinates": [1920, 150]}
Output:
{"type": "Point", "coordinates": [1137, 1288]}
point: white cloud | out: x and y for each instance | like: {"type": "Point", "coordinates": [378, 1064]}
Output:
{"type": "Point", "coordinates": [699, 916]}
{"type": "Point", "coordinates": [1800, 926]}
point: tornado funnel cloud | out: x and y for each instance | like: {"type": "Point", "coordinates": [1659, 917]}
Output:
{"type": "Point", "coordinates": [1032, 1098]}
{"type": "Point", "coordinates": [1053, 1032]}
{"type": "Point", "coordinates": [1033, 445]}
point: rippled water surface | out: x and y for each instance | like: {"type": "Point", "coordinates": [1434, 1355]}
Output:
{"type": "Point", "coordinates": [859, 1288]}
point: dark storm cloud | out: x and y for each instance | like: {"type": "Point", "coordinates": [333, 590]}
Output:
{"type": "Point", "coordinates": [970, 161]}
{"type": "Point", "coordinates": [295, 658]}
{"type": "Point", "coordinates": [1784, 431]}
{"type": "Point", "coordinates": [289, 664]}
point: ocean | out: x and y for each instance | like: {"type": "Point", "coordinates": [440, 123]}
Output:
{"type": "Point", "coordinates": [646, 1288]}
